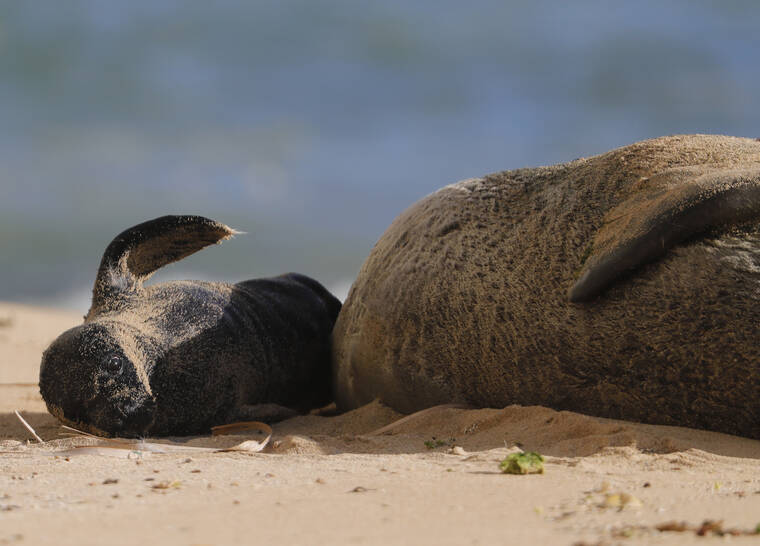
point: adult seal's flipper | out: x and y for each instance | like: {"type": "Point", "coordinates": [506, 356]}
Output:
{"type": "Point", "coordinates": [661, 212]}
{"type": "Point", "coordinates": [135, 254]}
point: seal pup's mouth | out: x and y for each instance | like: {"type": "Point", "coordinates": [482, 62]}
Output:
{"type": "Point", "coordinates": [122, 417]}
{"type": "Point", "coordinates": [133, 421]}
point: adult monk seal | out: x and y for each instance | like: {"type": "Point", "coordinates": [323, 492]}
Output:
{"type": "Point", "coordinates": [625, 285]}
{"type": "Point", "coordinates": [179, 357]}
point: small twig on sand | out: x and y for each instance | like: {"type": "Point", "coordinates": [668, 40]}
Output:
{"type": "Point", "coordinates": [29, 427]}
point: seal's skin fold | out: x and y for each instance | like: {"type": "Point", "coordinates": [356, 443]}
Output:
{"type": "Point", "coordinates": [180, 357]}
{"type": "Point", "coordinates": [625, 285]}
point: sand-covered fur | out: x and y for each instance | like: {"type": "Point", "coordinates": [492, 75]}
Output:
{"type": "Point", "coordinates": [180, 357]}
{"type": "Point", "coordinates": [625, 285]}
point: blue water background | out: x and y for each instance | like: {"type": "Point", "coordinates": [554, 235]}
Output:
{"type": "Point", "coordinates": [312, 124]}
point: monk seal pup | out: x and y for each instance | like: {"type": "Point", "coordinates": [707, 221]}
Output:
{"type": "Point", "coordinates": [179, 357]}
{"type": "Point", "coordinates": [625, 285]}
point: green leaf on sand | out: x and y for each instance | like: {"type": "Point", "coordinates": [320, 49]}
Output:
{"type": "Point", "coordinates": [528, 462]}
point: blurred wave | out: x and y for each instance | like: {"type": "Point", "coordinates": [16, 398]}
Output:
{"type": "Point", "coordinates": [311, 125]}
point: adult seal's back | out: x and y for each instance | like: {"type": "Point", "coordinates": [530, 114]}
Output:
{"type": "Point", "coordinates": [626, 285]}
{"type": "Point", "coordinates": [180, 357]}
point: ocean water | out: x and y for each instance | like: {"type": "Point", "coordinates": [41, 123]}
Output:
{"type": "Point", "coordinates": [311, 124]}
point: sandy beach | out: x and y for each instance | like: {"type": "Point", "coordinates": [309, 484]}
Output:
{"type": "Point", "coordinates": [370, 476]}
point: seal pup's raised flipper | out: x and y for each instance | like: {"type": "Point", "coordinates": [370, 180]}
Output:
{"type": "Point", "coordinates": [136, 253]}
{"type": "Point", "coordinates": [664, 211]}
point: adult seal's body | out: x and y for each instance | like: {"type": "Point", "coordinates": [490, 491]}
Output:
{"type": "Point", "coordinates": [626, 285]}
{"type": "Point", "coordinates": [180, 357]}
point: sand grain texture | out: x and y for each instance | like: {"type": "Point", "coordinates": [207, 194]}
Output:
{"type": "Point", "coordinates": [370, 476]}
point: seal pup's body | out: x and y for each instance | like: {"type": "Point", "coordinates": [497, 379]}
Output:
{"type": "Point", "coordinates": [625, 285]}
{"type": "Point", "coordinates": [180, 357]}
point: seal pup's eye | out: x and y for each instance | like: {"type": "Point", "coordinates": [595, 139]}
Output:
{"type": "Point", "coordinates": [114, 364]}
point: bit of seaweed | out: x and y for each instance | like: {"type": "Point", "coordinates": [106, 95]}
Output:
{"type": "Point", "coordinates": [434, 443]}
{"type": "Point", "coordinates": [708, 527]}
{"type": "Point", "coordinates": [528, 462]}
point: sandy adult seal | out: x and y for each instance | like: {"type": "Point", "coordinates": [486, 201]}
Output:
{"type": "Point", "coordinates": [179, 357]}
{"type": "Point", "coordinates": [625, 285]}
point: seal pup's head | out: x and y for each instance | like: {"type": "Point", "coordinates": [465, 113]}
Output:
{"type": "Point", "coordinates": [93, 377]}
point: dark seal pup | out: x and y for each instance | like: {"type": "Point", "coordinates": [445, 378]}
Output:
{"type": "Point", "coordinates": [625, 285]}
{"type": "Point", "coordinates": [180, 357]}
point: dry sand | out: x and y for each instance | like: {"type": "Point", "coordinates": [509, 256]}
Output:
{"type": "Point", "coordinates": [367, 477]}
